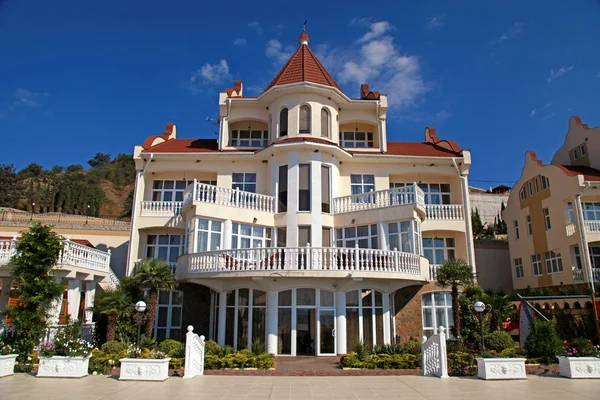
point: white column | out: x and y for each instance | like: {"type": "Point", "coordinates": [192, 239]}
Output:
{"type": "Point", "coordinates": [468, 226]}
{"type": "Point", "coordinates": [74, 295]}
{"type": "Point", "coordinates": [340, 326]}
{"type": "Point", "coordinates": [386, 319]}
{"type": "Point", "coordinates": [227, 226]}
{"type": "Point", "coordinates": [315, 201]}
{"type": "Point", "coordinates": [292, 206]}
{"type": "Point", "coordinates": [222, 315]}
{"type": "Point", "coordinates": [134, 236]}
{"type": "Point", "coordinates": [271, 325]}
{"type": "Point", "coordinates": [382, 232]}
{"type": "Point", "coordinates": [90, 295]}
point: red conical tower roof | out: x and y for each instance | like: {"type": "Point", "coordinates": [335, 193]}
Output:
{"type": "Point", "coordinates": [303, 66]}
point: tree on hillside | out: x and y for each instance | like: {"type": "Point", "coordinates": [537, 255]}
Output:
{"type": "Point", "coordinates": [476, 224]}
{"type": "Point", "coordinates": [11, 187]}
{"type": "Point", "coordinates": [99, 159]}
{"type": "Point", "coordinates": [455, 273]}
{"type": "Point", "coordinates": [33, 170]}
{"type": "Point", "coordinates": [127, 206]}
{"type": "Point", "coordinates": [74, 168]}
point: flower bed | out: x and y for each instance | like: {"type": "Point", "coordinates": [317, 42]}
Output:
{"type": "Point", "coordinates": [381, 361]}
{"type": "Point", "coordinates": [580, 360]}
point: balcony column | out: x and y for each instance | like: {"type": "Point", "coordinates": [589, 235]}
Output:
{"type": "Point", "coordinates": [316, 231]}
{"type": "Point", "coordinates": [292, 206]}
{"type": "Point", "coordinates": [90, 295]}
{"type": "Point", "coordinates": [382, 232]}
{"type": "Point", "coordinates": [386, 319]}
{"type": "Point", "coordinates": [584, 250]}
{"type": "Point", "coordinates": [74, 296]}
{"type": "Point", "coordinates": [464, 186]}
{"type": "Point", "coordinates": [227, 228]}
{"type": "Point", "coordinates": [221, 320]}
{"type": "Point", "coordinates": [271, 323]}
{"type": "Point", "coordinates": [134, 236]}
{"type": "Point", "coordinates": [340, 326]}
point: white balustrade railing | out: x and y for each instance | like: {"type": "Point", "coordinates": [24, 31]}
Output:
{"type": "Point", "coordinates": [228, 197]}
{"type": "Point", "coordinates": [112, 279]}
{"type": "Point", "coordinates": [379, 199]}
{"type": "Point", "coordinates": [194, 354]}
{"type": "Point", "coordinates": [592, 226]}
{"type": "Point", "coordinates": [444, 211]}
{"type": "Point", "coordinates": [579, 277]}
{"type": "Point", "coordinates": [571, 229]}
{"type": "Point", "coordinates": [160, 208]}
{"type": "Point", "coordinates": [305, 259]}
{"type": "Point", "coordinates": [434, 359]}
{"type": "Point", "coordinates": [73, 254]}
{"type": "Point", "coordinates": [433, 269]}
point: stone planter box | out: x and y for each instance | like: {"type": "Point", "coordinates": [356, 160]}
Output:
{"type": "Point", "coordinates": [144, 369]}
{"type": "Point", "coordinates": [63, 367]}
{"type": "Point", "coordinates": [579, 367]}
{"type": "Point", "coordinates": [7, 364]}
{"type": "Point", "coordinates": [501, 368]}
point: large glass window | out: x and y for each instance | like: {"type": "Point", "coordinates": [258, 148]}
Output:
{"type": "Point", "coordinates": [249, 236]}
{"type": "Point", "coordinates": [245, 317]}
{"type": "Point", "coordinates": [362, 184]}
{"type": "Point", "coordinates": [356, 139]}
{"type": "Point", "coordinates": [283, 122]}
{"type": "Point", "coordinates": [284, 323]}
{"type": "Point", "coordinates": [437, 311]}
{"type": "Point", "coordinates": [436, 193]}
{"type": "Point", "coordinates": [325, 189]}
{"type": "Point", "coordinates": [519, 268]}
{"type": "Point", "coordinates": [536, 264]}
{"type": "Point", "coordinates": [244, 181]}
{"type": "Point", "coordinates": [249, 138]}
{"type": "Point", "coordinates": [208, 234]}
{"type": "Point", "coordinates": [365, 236]}
{"type": "Point", "coordinates": [553, 262]}
{"type": "Point", "coordinates": [165, 247]}
{"type": "Point", "coordinates": [364, 317]}
{"type": "Point", "coordinates": [305, 119]}
{"type": "Point", "coordinates": [325, 123]}
{"type": "Point", "coordinates": [400, 236]}
{"type": "Point", "coordinates": [167, 324]}
{"type": "Point", "coordinates": [594, 256]}
{"type": "Point", "coordinates": [571, 212]}
{"type": "Point", "coordinates": [591, 211]}
{"type": "Point", "coordinates": [437, 250]}
{"type": "Point", "coordinates": [304, 188]}
{"type": "Point", "coordinates": [169, 190]}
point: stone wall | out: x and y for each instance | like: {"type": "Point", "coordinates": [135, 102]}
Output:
{"type": "Point", "coordinates": [409, 324]}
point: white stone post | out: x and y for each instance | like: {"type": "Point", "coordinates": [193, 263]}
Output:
{"type": "Point", "coordinates": [271, 323]}
{"type": "Point", "coordinates": [194, 354]}
{"type": "Point", "coordinates": [340, 327]}
{"type": "Point", "coordinates": [74, 296]}
{"type": "Point", "coordinates": [443, 357]}
{"type": "Point", "coordinates": [386, 320]}
{"type": "Point", "coordinates": [90, 294]}
{"type": "Point", "coordinates": [227, 228]}
{"type": "Point", "coordinates": [222, 316]}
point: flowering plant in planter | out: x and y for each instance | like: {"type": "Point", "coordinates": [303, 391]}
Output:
{"type": "Point", "coordinates": [6, 349]}
{"type": "Point", "coordinates": [581, 359]}
{"type": "Point", "coordinates": [580, 347]}
{"type": "Point", "coordinates": [136, 352]}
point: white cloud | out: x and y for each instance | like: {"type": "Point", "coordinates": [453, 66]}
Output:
{"type": "Point", "coordinates": [512, 33]}
{"type": "Point", "coordinates": [255, 26]}
{"type": "Point", "coordinates": [443, 115]}
{"type": "Point", "coordinates": [26, 98]}
{"type": "Point", "coordinates": [278, 52]}
{"type": "Point", "coordinates": [209, 74]}
{"type": "Point", "coordinates": [533, 112]}
{"type": "Point", "coordinates": [559, 72]}
{"type": "Point", "coordinates": [598, 75]}
{"type": "Point", "coordinates": [437, 22]}
{"type": "Point", "coordinates": [240, 42]}
{"type": "Point", "coordinates": [376, 30]}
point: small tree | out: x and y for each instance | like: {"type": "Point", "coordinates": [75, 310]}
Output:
{"type": "Point", "coordinates": [543, 341]}
{"type": "Point", "coordinates": [476, 224]}
{"type": "Point", "coordinates": [154, 274]}
{"type": "Point", "coordinates": [116, 305]}
{"type": "Point", "coordinates": [12, 189]}
{"type": "Point", "coordinates": [36, 287]}
{"type": "Point", "coordinates": [99, 159]}
{"type": "Point", "coordinates": [454, 273]}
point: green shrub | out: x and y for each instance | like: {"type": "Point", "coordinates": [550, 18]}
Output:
{"type": "Point", "coordinates": [514, 352]}
{"type": "Point", "coordinates": [258, 346]}
{"type": "Point", "coordinates": [170, 346]}
{"type": "Point", "coordinates": [225, 351]}
{"type": "Point", "coordinates": [498, 341]}
{"type": "Point", "coordinates": [488, 354]}
{"type": "Point", "coordinates": [114, 347]}
{"type": "Point", "coordinates": [211, 347]}
{"type": "Point", "coordinates": [411, 347]}
{"type": "Point", "coordinates": [103, 363]}
{"type": "Point", "coordinates": [349, 361]}
{"type": "Point", "coordinates": [236, 360]}
{"type": "Point", "coordinates": [264, 361]}
{"type": "Point", "coordinates": [361, 349]}
{"type": "Point", "coordinates": [543, 342]}
{"type": "Point", "coordinates": [382, 361]}
{"type": "Point", "coordinates": [176, 363]}
{"type": "Point", "coordinates": [146, 343]}
{"type": "Point", "coordinates": [581, 347]}
{"type": "Point", "coordinates": [461, 363]}
{"type": "Point", "coordinates": [213, 362]}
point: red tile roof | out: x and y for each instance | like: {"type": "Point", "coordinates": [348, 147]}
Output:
{"type": "Point", "coordinates": [589, 174]}
{"type": "Point", "coordinates": [185, 146]}
{"type": "Point", "coordinates": [414, 149]}
{"type": "Point", "coordinates": [303, 66]}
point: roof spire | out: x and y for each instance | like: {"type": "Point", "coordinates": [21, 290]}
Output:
{"type": "Point", "coordinates": [304, 39]}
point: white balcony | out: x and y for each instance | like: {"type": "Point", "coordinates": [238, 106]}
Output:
{"type": "Point", "coordinates": [160, 208]}
{"type": "Point", "coordinates": [316, 260]}
{"type": "Point", "coordinates": [379, 199]}
{"type": "Point", "coordinates": [591, 227]}
{"type": "Point", "coordinates": [200, 192]}
{"type": "Point", "coordinates": [578, 275]}
{"type": "Point", "coordinates": [444, 212]}
{"type": "Point", "coordinates": [433, 269]}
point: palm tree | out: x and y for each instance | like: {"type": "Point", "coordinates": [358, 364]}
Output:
{"type": "Point", "coordinates": [154, 274]}
{"type": "Point", "coordinates": [115, 304]}
{"type": "Point", "coordinates": [454, 273]}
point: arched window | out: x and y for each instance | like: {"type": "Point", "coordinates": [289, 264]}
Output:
{"type": "Point", "coordinates": [283, 122]}
{"type": "Point", "coordinates": [305, 119]}
{"type": "Point", "coordinates": [325, 123]}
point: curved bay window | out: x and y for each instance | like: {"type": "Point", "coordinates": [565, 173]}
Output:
{"type": "Point", "coordinates": [325, 123]}
{"type": "Point", "coordinates": [364, 317]}
{"type": "Point", "coordinates": [245, 317]}
{"type": "Point", "coordinates": [208, 234]}
{"type": "Point", "coordinates": [283, 122]}
{"type": "Point", "coordinates": [304, 119]}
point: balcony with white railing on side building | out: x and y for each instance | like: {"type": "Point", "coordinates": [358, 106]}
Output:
{"type": "Point", "coordinates": [444, 211]}
{"type": "Point", "coordinates": [317, 261]}
{"type": "Point", "coordinates": [160, 208]}
{"type": "Point", "coordinates": [73, 254]}
{"type": "Point", "coordinates": [433, 269]}
{"type": "Point", "coordinates": [592, 226]}
{"type": "Point", "coordinates": [379, 199]}
{"type": "Point", "coordinates": [579, 277]}
{"type": "Point", "coordinates": [571, 229]}
{"type": "Point", "coordinates": [204, 193]}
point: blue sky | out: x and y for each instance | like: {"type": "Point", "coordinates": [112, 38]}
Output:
{"type": "Point", "coordinates": [81, 77]}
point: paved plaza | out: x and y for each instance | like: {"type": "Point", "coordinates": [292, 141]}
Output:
{"type": "Point", "coordinates": [25, 387]}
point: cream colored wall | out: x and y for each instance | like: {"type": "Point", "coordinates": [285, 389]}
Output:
{"type": "Point", "coordinates": [577, 135]}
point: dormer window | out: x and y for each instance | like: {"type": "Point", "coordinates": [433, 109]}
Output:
{"type": "Point", "coordinates": [325, 123]}
{"type": "Point", "coordinates": [305, 119]}
{"type": "Point", "coordinates": [283, 122]}
{"type": "Point", "coordinates": [356, 139]}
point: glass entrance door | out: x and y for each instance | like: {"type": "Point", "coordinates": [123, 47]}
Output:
{"type": "Point", "coordinates": [326, 332]}
{"type": "Point", "coordinates": [305, 331]}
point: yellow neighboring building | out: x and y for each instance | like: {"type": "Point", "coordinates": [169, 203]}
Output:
{"type": "Point", "coordinates": [554, 212]}
{"type": "Point", "coordinates": [302, 225]}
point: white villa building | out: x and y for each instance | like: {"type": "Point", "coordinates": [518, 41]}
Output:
{"type": "Point", "coordinates": [302, 225]}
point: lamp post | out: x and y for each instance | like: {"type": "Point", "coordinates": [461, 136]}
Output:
{"type": "Point", "coordinates": [32, 211]}
{"type": "Point", "coordinates": [87, 217]}
{"type": "Point", "coordinates": [480, 308]}
{"type": "Point", "coordinates": [140, 307]}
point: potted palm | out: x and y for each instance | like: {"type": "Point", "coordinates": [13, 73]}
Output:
{"type": "Point", "coordinates": [580, 360]}
{"type": "Point", "coordinates": [8, 357]}
{"type": "Point", "coordinates": [67, 356]}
